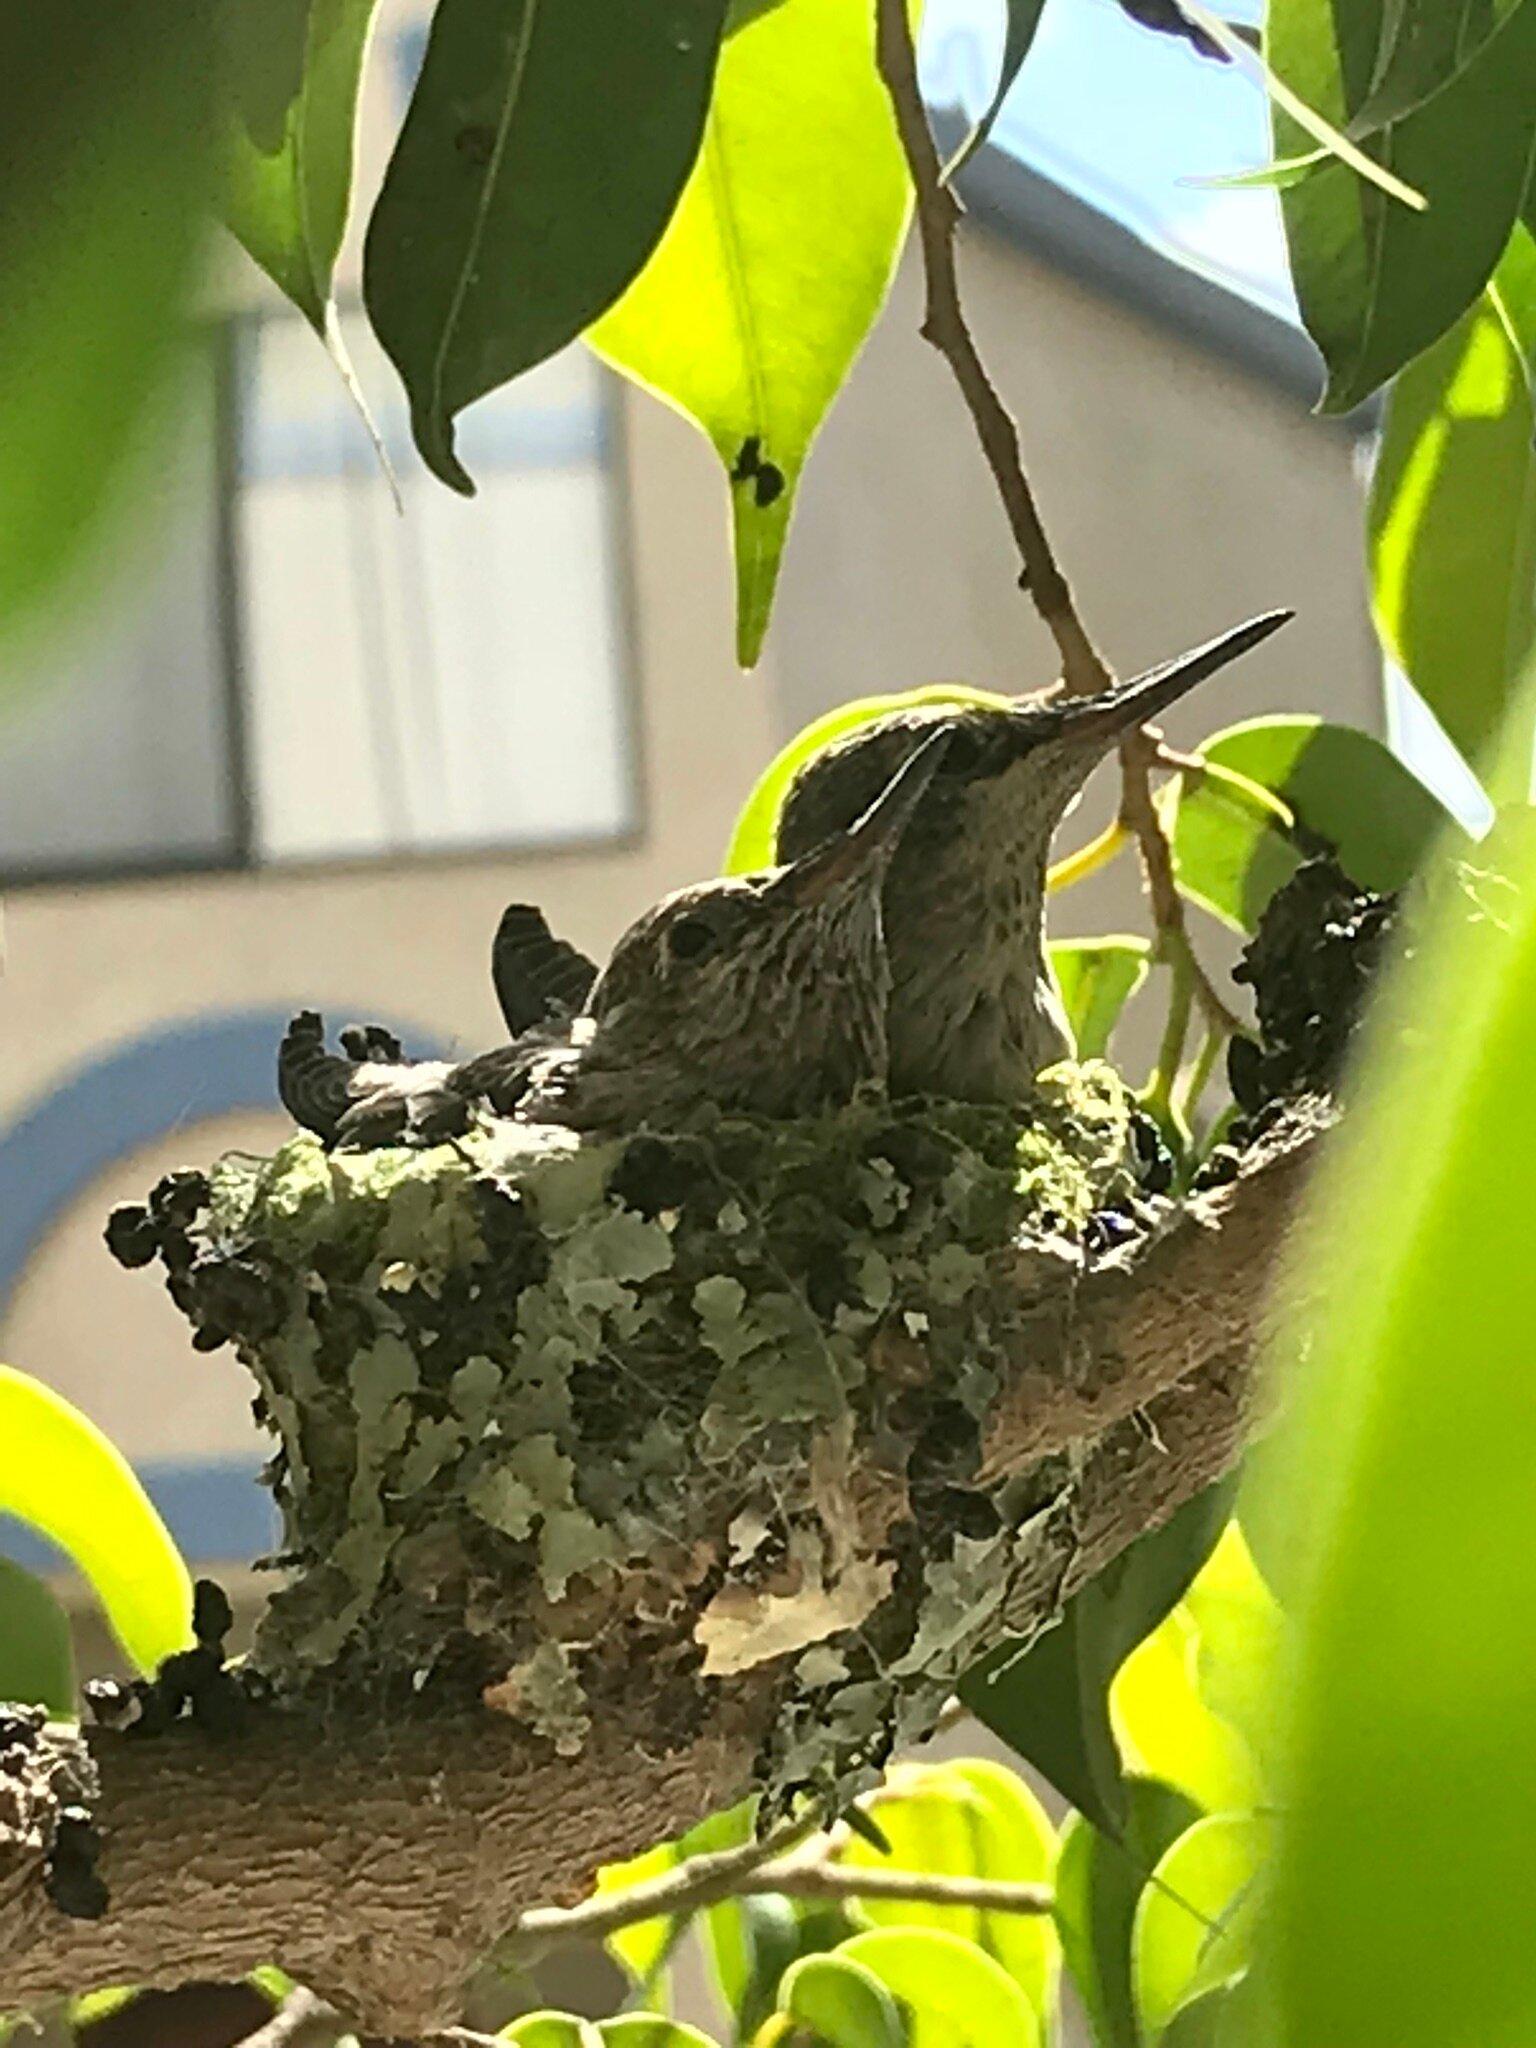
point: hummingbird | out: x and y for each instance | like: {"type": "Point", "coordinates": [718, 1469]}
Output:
{"type": "Point", "coordinates": [365, 1095]}
{"type": "Point", "coordinates": [370, 1094]}
{"type": "Point", "coordinates": [974, 1014]}
{"type": "Point", "coordinates": [765, 993]}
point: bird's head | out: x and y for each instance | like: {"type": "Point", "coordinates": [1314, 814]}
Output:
{"type": "Point", "coordinates": [730, 973]}
{"type": "Point", "coordinates": [1054, 742]}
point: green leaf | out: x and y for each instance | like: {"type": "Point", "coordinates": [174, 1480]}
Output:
{"type": "Point", "coordinates": [650, 2030]}
{"type": "Point", "coordinates": [1377, 282]}
{"type": "Point", "coordinates": [1194, 1923]}
{"type": "Point", "coordinates": [1240, 1641]}
{"type": "Point", "coordinates": [1023, 20]}
{"type": "Point", "coordinates": [953, 1996]}
{"type": "Point", "coordinates": [551, 2030]}
{"type": "Point", "coordinates": [1424, 45]}
{"type": "Point", "coordinates": [1166, 1729]}
{"type": "Point", "coordinates": [37, 1657]}
{"type": "Point", "coordinates": [1340, 785]}
{"type": "Point", "coordinates": [542, 154]}
{"type": "Point", "coordinates": [1397, 1911]}
{"type": "Point", "coordinates": [62, 1477]}
{"type": "Point", "coordinates": [968, 1818]}
{"type": "Point", "coordinates": [1205, 2021]}
{"type": "Point", "coordinates": [1452, 549]}
{"type": "Point", "coordinates": [102, 208]}
{"type": "Point", "coordinates": [754, 840]}
{"type": "Point", "coordinates": [1097, 1884]}
{"type": "Point", "coordinates": [1096, 978]}
{"type": "Point", "coordinates": [750, 313]}
{"type": "Point", "coordinates": [297, 66]}
{"type": "Point", "coordinates": [641, 1949]}
{"type": "Point", "coordinates": [1050, 1700]}
{"type": "Point", "coordinates": [843, 2004]}
{"type": "Point", "coordinates": [1264, 177]}
{"type": "Point", "coordinates": [750, 1944]}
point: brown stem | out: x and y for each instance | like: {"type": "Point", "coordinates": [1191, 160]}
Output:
{"type": "Point", "coordinates": [944, 326]}
{"type": "Point", "coordinates": [699, 1884]}
{"type": "Point", "coordinates": [1139, 751]}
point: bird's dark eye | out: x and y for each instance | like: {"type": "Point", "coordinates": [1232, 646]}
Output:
{"type": "Point", "coordinates": [692, 938]}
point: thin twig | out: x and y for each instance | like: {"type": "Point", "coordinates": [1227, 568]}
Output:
{"type": "Point", "coordinates": [300, 2015]}
{"type": "Point", "coordinates": [702, 1883]}
{"type": "Point", "coordinates": [1139, 814]}
{"type": "Point", "coordinates": [702, 1880]}
{"type": "Point", "coordinates": [944, 325]}
{"type": "Point", "coordinates": [927, 1888]}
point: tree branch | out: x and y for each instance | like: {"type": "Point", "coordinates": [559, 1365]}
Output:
{"type": "Point", "coordinates": [378, 1860]}
{"type": "Point", "coordinates": [945, 327]}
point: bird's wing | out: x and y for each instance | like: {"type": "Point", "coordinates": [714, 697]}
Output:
{"type": "Point", "coordinates": [537, 976]}
{"type": "Point", "coordinates": [500, 1078]}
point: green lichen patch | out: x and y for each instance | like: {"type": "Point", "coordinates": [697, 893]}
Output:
{"type": "Point", "coordinates": [543, 1407]}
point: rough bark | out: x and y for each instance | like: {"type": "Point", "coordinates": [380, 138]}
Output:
{"type": "Point", "coordinates": [378, 1862]}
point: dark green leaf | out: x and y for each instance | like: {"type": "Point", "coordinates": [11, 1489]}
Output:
{"type": "Point", "coordinates": [1050, 1701]}
{"type": "Point", "coordinates": [296, 70]}
{"type": "Point", "coordinates": [1023, 20]}
{"type": "Point", "coordinates": [1452, 540]}
{"type": "Point", "coordinates": [749, 314]}
{"type": "Point", "coordinates": [842, 2003]}
{"type": "Point", "coordinates": [1343, 789]}
{"type": "Point", "coordinates": [1376, 281]}
{"type": "Point", "coordinates": [1425, 44]}
{"type": "Point", "coordinates": [1098, 1882]}
{"type": "Point", "coordinates": [545, 147]}
{"type": "Point", "coordinates": [105, 191]}
{"type": "Point", "coordinates": [1200, 2023]}
{"type": "Point", "coordinates": [742, 13]}
{"type": "Point", "coordinates": [1096, 979]}
{"type": "Point", "coordinates": [37, 1658]}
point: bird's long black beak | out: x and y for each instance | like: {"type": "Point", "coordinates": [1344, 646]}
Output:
{"type": "Point", "coordinates": [1103, 718]}
{"type": "Point", "coordinates": [871, 839]}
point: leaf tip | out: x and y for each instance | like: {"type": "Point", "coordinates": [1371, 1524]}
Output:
{"type": "Point", "coordinates": [434, 437]}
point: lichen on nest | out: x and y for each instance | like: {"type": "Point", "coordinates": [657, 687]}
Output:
{"type": "Point", "coordinates": [547, 1409]}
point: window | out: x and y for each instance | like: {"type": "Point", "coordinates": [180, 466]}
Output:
{"type": "Point", "coordinates": [446, 676]}
{"type": "Point", "coordinates": [115, 732]}
{"type": "Point", "coordinates": [298, 671]}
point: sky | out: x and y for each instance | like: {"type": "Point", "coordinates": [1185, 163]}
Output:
{"type": "Point", "coordinates": [1127, 120]}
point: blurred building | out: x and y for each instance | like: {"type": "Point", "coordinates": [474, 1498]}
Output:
{"type": "Point", "coordinates": [307, 749]}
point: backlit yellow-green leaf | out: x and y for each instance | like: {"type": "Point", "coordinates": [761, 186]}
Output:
{"type": "Point", "coordinates": [970, 1818]}
{"type": "Point", "coordinates": [1194, 1924]}
{"type": "Point", "coordinates": [1452, 532]}
{"type": "Point", "coordinates": [749, 313]}
{"type": "Point", "coordinates": [1165, 1730]}
{"type": "Point", "coordinates": [953, 1995]}
{"type": "Point", "coordinates": [62, 1477]}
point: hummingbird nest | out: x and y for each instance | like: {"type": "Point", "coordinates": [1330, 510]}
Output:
{"type": "Point", "coordinates": [549, 1413]}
